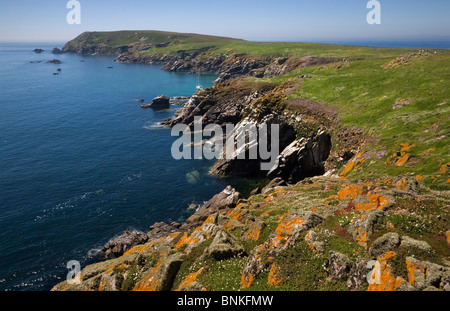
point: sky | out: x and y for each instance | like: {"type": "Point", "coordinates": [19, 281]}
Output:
{"type": "Point", "coordinates": [263, 20]}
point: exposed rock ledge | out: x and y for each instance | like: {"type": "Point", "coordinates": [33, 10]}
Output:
{"type": "Point", "coordinates": [221, 202]}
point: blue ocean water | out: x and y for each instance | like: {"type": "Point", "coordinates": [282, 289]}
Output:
{"type": "Point", "coordinates": [80, 162]}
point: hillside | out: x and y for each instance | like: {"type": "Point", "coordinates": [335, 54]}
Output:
{"type": "Point", "coordinates": [114, 43]}
{"type": "Point", "coordinates": [362, 184]}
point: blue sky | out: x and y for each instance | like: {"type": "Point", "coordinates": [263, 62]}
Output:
{"type": "Point", "coordinates": [281, 20]}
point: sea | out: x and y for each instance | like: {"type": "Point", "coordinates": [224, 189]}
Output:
{"type": "Point", "coordinates": [81, 162]}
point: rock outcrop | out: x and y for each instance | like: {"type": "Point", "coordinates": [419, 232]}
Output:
{"type": "Point", "coordinates": [119, 245]}
{"type": "Point", "coordinates": [57, 51]}
{"type": "Point", "coordinates": [159, 102]}
{"type": "Point", "coordinates": [303, 158]}
{"type": "Point", "coordinates": [225, 200]}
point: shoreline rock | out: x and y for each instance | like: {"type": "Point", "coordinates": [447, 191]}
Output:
{"type": "Point", "coordinates": [158, 103]}
{"type": "Point", "coordinates": [57, 51]}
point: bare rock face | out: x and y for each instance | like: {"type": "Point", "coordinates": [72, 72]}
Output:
{"type": "Point", "coordinates": [227, 199]}
{"type": "Point", "coordinates": [281, 66]}
{"type": "Point", "coordinates": [241, 163]}
{"type": "Point", "coordinates": [340, 266]}
{"type": "Point", "coordinates": [127, 240]}
{"type": "Point", "coordinates": [161, 229]}
{"type": "Point", "coordinates": [119, 245]}
{"type": "Point", "coordinates": [303, 158]}
{"type": "Point", "coordinates": [274, 183]}
{"type": "Point", "coordinates": [158, 102]}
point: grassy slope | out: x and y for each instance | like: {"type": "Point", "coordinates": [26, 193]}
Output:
{"type": "Point", "coordinates": [122, 38]}
{"type": "Point", "coordinates": [365, 92]}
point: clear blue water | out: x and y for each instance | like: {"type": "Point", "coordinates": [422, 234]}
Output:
{"type": "Point", "coordinates": [80, 162]}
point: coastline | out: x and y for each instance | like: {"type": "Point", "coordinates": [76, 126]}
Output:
{"type": "Point", "coordinates": [309, 210]}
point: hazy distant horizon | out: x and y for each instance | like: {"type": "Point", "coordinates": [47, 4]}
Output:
{"type": "Point", "coordinates": [436, 43]}
{"type": "Point", "coordinates": [287, 20]}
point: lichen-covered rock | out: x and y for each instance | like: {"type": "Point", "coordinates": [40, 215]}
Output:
{"type": "Point", "coordinates": [224, 246]}
{"type": "Point", "coordinates": [119, 245]}
{"type": "Point", "coordinates": [253, 231]}
{"type": "Point", "coordinates": [385, 243]}
{"type": "Point", "coordinates": [339, 266]}
{"type": "Point", "coordinates": [410, 243]}
{"type": "Point", "coordinates": [227, 199]}
{"type": "Point", "coordinates": [362, 226]}
{"type": "Point", "coordinates": [314, 243]}
{"type": "Point", "coordinates": [289, 228]}
{"type": "Point", "coordinates": [161, 277]}
{"type": "Point", "coordinates": [357, 277]}
{"type": "Point", "coordinates": [422, 274]}
{"type": "Point", "coordinates": [382, 278]}
{"type": "Point", "coordinates": [191, 284]}
{"type": "Point", "coordinates": [197, 237]}
{"type": "Point", "coordinates": [166, 273]}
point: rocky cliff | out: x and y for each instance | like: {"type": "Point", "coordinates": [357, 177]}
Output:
{"type": "Point", "coordinates": [350, 205]}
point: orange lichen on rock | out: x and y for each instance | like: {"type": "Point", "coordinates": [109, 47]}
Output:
{"type": "Point", "coordinates": [247, 280]}
{"type": "Point", "coordinates": [310, 240]}
{"type": "Point", "coordinates": [381, 278]}
{"type": "Point", "coordinates": [400, 158]}
{"type": "Point", "coordinates": [413, 269]}
{"type": "Point", "coordinates": [353, 163]}
{"type": "Point", "coordinates": [376, 201]}
{"type": "Point", "coordinates": [361, 237]}
{"type": "Point", "coordinates": [235, 214]}
{"type": "Point", "coordinates": [229, 225]}
{"type": "Point", "coordinates": [285, 229]}
{"type": "Point", "coordinates": [402, 184]}
{"type": "Point", "coordinates": [210, 219]}
{"type": "Point", "coordinates": [419, 178]}
{"type": "Point", "coordinates": [274, 276]}
{"type": "Point", "coordinates": [147, 282]}
{"type": "Point", "coordinates": [191, 239]}
{"type": "Point", "coordinates": [252, 233]}
{"type": "Point", "coordinates": [268, 199]}
{"type": "Point", "coordinates": [191, 278]}
{"type": "Point", "coordinates": [349, 192]}
{"type": "Point", "coordinates": [151, 245]}
{"type": "Point", "coordinates": [406, 147]}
